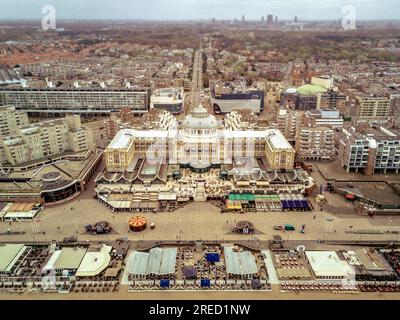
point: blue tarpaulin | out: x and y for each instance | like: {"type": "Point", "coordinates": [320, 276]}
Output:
{"type": "Point", "coordinates": [212, 257]}
{"type": "Point", "coordinates": [164, 283]}
{"type": "Point", "coordinates": [305, 204]}
{"type": "Point", "coordinates": [294, 204]}
{"type": "Point", "coordinates": [297, 204]}
{"type": "Point", "coordinates": [205, 283]}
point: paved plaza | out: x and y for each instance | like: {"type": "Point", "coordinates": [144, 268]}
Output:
{"type": "Point", "coordinates": [196, 221]}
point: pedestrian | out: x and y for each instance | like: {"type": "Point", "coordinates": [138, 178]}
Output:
{"type": "Point", "coordinates": [314, 216]}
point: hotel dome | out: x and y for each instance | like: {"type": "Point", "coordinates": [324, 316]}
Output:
{"type": "Point", "coordinates": [311, 90]}
{"type": "Point", "coordinates": [200, 119]}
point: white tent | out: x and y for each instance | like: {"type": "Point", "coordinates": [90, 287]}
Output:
{"type": "Point", "coordinates": [94, 263]}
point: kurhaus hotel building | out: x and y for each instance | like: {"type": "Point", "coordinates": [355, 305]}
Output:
{"type": "Point", "coordinates": [199, 141]}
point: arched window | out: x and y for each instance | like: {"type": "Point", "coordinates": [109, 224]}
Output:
{"type": "Point", "coordinates": [283, 159]}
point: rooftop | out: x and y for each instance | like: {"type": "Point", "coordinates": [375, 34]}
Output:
{"type": "Point", "coordinates": [311, 89]}
{"type": "Point", "coordinates": [122, 140]}
{"type": "Point", "coordinates": [372, 260]}
{"type": "Point", "coordinates": [239, 262]}
{"type": "Point", "coordinates": [94, 263]}
{"type": "Point", "coordinates": [70, 258]}
{"type": "Point", "coordinates": [327, 264]}
{"type": "Point", "coordinates": [9, 254]}
{"type": "Point", "coordinates": [158, 261]}
{"type": "Point", "coordinates": [167, 95]}
{"type": "Point", "coordinates": [278, 141]}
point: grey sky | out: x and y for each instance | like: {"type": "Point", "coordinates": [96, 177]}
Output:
{"type": "Point", "coordinates": [198, 9]}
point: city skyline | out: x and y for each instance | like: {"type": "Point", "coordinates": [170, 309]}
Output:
{"type": "Point", "coordinates": [200, 10]}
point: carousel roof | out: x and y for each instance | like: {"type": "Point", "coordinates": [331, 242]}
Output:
{"type": "Point", "coordinates": [137, 221]}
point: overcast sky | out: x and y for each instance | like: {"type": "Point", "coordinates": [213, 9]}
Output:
{"type": "Point", "coordinates": [198, 9]}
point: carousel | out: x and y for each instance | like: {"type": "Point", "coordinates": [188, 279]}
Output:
{"type": "Point", "coordinates": [137, 223]}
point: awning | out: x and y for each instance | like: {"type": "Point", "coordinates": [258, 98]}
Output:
{"type": "Point", "coordinates": [167, 196]}
{"type": "Point", "coordinates": [233, 205]}
{"type": "Point", "coordinates": [241, 197]}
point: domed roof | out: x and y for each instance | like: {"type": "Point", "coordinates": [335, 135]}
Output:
{"type": "Point", "coordinates": [200, 119]}
{"type": "Point", "coordinates": [311, 89]}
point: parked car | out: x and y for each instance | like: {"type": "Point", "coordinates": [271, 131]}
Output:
{"type": "Point", "coordinates": [278, 228]}
{"type": "Point", "coordinates": [289, 227]}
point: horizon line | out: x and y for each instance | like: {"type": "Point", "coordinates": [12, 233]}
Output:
{"type": "Point", "coordinates": [196, 20]}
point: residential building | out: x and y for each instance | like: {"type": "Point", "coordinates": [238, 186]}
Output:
{"type": "Point", "coordinates": [370, 149]}
{"type": "Point", "coordinates": [75, 100]}
{"type": "Point", "coordinates": [288, 121]}
{"type": "Point", "coordinates": [45, 139]}
{"type": "Point", "coordinates": [372, 107]}
{"type": "Point", "coordinates": [315, 144]}
{"type": "Point", "coordinates": [323, 118]}
{"type": "Point", "coordinates": [10, 120]}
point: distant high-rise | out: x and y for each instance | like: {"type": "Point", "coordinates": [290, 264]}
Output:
{"type": "Point", "coordinates": [262, 19]}
{"type": "Point", "coordinates": [270, 19]}
{"type": "Point", "coordinates": [243, 18]}
{"type": "Point", "coordinates": [296, 19]}
{"type": "Point", "coordinates": [276, 19]}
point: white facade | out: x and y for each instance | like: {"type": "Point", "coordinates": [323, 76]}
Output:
{"type": "Point", "coordinates": [201, 142]}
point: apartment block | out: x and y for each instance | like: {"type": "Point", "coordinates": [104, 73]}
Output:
{"type": "Point", "coordinates": [75, 100]}
{"type": "Point", "coordinates": [372, 107]}
{"type": "Point", "coordinates": [323, 118]}
{"type": "Point", "coordinates": [10, 120]}
{"type": "Point", "coordinates": [45, 139]}
{"type": "Point", "coordinates": [78, 138]}
{"type": "Point", "coordinates": [315, 144]}
{"type": "Point", "coordinates": [333, 99]}
{"type": "Point", "coordinates": [288, 122]}
{"type": "Point", "coordinates": [370, 150]}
